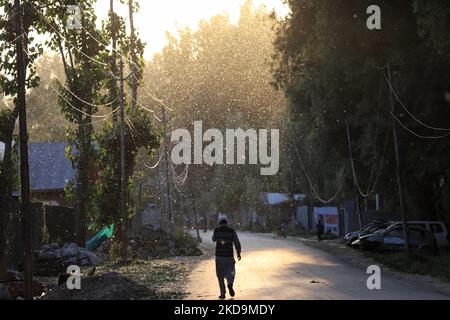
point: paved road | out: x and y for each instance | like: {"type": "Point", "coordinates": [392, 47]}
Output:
{"type": "Point", "coordinates": [289, 270]}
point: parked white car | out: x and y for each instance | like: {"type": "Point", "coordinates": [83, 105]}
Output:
{"type": "Point", "coordinates": [438, 229]}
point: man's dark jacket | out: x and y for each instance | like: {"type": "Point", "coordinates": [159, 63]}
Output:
{"type": "Point", "coordinates": [225, 237]}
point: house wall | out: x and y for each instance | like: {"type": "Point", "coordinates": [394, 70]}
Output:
{"type": "Point", "coordinates": [302, 217]}
{"type": "Point", "coordinates": [51, 198]}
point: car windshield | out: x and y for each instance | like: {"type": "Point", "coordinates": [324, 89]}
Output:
{"type": "Point", "coordinates": [381, 230]}
{"type": "Point", "coordinates": [375, 228]}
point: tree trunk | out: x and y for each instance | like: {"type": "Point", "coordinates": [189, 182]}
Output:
{"type": "Point", "coordinates": [6, 188]}
{"type": "Point", "coordinates": [82, 187]}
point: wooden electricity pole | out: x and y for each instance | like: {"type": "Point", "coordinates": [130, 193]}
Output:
{"type": "Point", "coordinates": [24, 168]}
{"type": "Point", "coordinates": [355, 181]}
{"type": "Point", "coordinates": [166, 160]}
{"type": "Point", "coordinates": [397, 166]}
{"type": "Point", "coordinates": [123, 210]}
{"type": "Point", "coordinates": [123, 177]}
{"type": "Point", "coordinates": [134, 82]}
{"type": "Point", "coordinates": [113, 56]}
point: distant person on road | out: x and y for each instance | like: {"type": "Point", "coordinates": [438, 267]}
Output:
{"type": "Point", "coordinates": [320, 229]}
{"type": "Point", "coordinates": [225, 237]}
{"type": "Point", "coordinates": [281, 233]}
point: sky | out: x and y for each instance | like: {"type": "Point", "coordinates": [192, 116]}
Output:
{"type": "Point", "coordinates": [158, 16]}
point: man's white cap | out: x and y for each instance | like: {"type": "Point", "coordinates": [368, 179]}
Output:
{"type": "Point", "coordinates": [223, 216]}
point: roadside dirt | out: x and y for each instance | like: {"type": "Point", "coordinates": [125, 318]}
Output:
{"type": "Point", "coordinates": [357, 259]}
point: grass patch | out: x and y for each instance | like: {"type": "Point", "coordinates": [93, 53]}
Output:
{"type": "Point", "coordinates": [415, 262]}
{"type": "Point", "coordinates": [167, 277]}
{"type": "Point", "coordinates": [301, 233]}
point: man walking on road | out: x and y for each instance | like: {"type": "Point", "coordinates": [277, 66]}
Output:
{"type": "Point", "coordinates": [225, 237]}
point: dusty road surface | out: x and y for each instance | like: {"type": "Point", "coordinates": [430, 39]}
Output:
{"type": "Point", "coordinates": [289, 270]}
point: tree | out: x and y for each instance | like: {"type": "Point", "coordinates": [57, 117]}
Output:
{"type": "Point", "coordinates": [331, 67]}
{"type": "Point", "coordinates": [8, 88]}
{"type": "Point", "coordinates": [219, 74]}
{"type": "Point", "coordinates": [80, 96]}
{"type": "Point", "coordinates": [140, 135]}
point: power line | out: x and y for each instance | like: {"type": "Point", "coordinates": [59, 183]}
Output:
{"type": "Point", "coordinates": [406, 109]}
{"type": "Point", "coordinates": [179, 180]}
{"type": "Point", "coordinates": [313, 190]}
{"type": "Point", "coordinates": [77, 97]}
{"type": "Point", "coordinates": [370, 188]}
{"type": "Point", "coordinates": [135, 134]}
{"type": "Point", "coordinates": [416, 134]}
{"type": "Point", "coordinates": [84, 101]}
{"type": "Point", "coordinates": [157, 163]}
{"type": "Point", "coordinates": [150, 92]}
{"type": "Point", "coordinates": [79, 110]}
{"type": "Point", "coordinates": [93, 122]}
{"type": "Point", "coordinates": [155, 97]}
{"type": "Point", "coordinates": [103, 37]}
{"type": "Point", "coordinates": [146, 109]}
{"type": "Point", "coordinates": [67, 41]}
{"type": "Point", "coordinates": [3, 46]}
{"type": "Point", "coordinates": [382, 160]}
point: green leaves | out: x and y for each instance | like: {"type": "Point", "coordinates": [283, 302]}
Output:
{"type": "Point", "coordinates": [331, 68]}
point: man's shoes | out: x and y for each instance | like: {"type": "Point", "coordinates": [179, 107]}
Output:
{"type": "Point", "coordinates": [222, 297]}
{"type": "Point", "coordinates": [230, 288]}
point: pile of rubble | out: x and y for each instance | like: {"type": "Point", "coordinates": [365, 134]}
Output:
{"type": "Point", "coordinates": [17, 289]}
{"type": "Point", "coordinates": [147, 243]}
{"type": "Point", "coordinates": [52, 259]}
{"type": "Point", "coordinates": [13, 288]}
{"type": "Point", "coordinates": [108, 286]}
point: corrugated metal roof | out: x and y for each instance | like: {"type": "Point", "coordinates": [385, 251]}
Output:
{"type": "Point", "coordinates": [49, 167]}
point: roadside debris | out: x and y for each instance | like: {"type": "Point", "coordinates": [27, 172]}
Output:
{"type": "Point", "coordinates": [53, 259]}
{"type": "Point", "coordinates": [17, 291]}
{"type": "Point", "coordinates": [108, 286]}
{"type": "Point", "coordinates": [4, 293]}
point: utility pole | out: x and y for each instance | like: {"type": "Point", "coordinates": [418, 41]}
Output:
{"type": "Point", "coordinates": [397, 166]}
{"type": "Point", "coordinates": [123, 198]}
{"type": "Point", "coordinates": [113, 55]}
{"type": "Point", "coordinates": [123, 212]}
{"type": "Point", "coordinates": [24, 168]}
{"type": "Point", "coordinates": [134, 82]}
{"type": "Point", "coordinates": [355, 187]}
{"type": "Point", "coordinates": [169, 198]}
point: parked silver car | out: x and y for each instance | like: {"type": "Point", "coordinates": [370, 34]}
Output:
{"type": "Point", "coordinates": [392, 238]}
{"type": "Point", "coordinates": [368, 229]}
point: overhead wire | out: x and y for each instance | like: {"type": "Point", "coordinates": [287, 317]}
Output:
{"type": "Point", "coordinates": [43, 18]}
{"type": "Point", "coordinates": [147, 90]}
{"type": "Point", "coordinates": [78, 98]}
{"type": "Point", "coordinates": [157, 163]}
{"type": "Point", "coordinates": [415, 133]}
{"type": "Point", "coordinates": [370, 187]}
{"type": "Point", "coordinates": [313, 190]}
{"type": "Point", "coordinates": [7, 43]}
{"type": "Point", "coordinates": [409, 112]}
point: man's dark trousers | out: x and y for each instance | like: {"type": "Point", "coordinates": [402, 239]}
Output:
{"type": "Point", "coordinates": [225, 269]}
